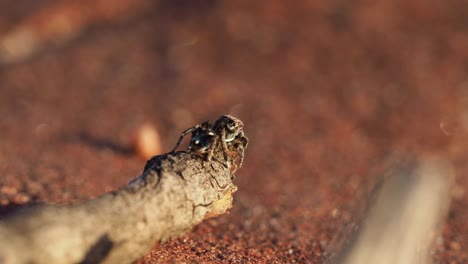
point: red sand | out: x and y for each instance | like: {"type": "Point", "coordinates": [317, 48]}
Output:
{"type": "Point", "coordinates": [325, 91]}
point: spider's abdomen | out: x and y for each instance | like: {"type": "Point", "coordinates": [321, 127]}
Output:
{"type": "Point", "coordinates": [201, 143]}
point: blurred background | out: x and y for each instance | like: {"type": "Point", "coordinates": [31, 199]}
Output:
{"type": "Point", "coordinates": [326, 90]}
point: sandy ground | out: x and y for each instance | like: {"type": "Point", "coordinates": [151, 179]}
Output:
{"type": "Point", "coordinates": [326, 91]}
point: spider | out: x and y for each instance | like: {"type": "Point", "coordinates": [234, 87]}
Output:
{"type": "Point", "coordinates": [202, 137]}
{"type": "Point", "coordinates": [207, 136]}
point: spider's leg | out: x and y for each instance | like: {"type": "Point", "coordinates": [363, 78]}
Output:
{"type": "Point", "coordinates": [210, 156]}
{"type": "Point", "coordinates": [245, 141]}
{"type": "Point", "coordinates": [211, 149]}
{"type": "Point", "coordinates": [224, 147]}
{"type": "Point", "coordinates": [184, 133]}
{"type": "Point", "coordinates": [224, 144]}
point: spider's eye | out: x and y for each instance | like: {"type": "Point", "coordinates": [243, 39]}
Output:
{"type": "Point", "coordinates": [196, 140]}
{"type": "Point", "coordinates": [231, 124]}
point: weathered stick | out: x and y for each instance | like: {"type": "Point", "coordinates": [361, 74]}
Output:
{"type": "Point", "coordinates": [175, 192]}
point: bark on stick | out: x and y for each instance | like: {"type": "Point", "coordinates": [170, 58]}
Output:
{"type": "Point", "coordinates": [175, 192]}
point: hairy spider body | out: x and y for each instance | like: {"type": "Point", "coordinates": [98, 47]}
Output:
{"type": "Point", "coordinates": [227, 131]}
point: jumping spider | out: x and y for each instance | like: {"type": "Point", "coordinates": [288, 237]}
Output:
{"type": "Point", "coordinates": [207, 136]}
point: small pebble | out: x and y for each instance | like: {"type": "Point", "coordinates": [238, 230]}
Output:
{"type": "Point", "coordinates": [147, 141]}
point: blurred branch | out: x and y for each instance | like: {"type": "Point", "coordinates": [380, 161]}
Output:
{"type": "Point", "coordinates": [403, 223]}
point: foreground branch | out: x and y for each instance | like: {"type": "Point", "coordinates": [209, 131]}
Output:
{"type": "Point", "coordinates": [176, 192]}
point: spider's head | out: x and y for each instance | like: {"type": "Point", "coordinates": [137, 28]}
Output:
{"type": "Point", "coordinates": [231, 125]}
